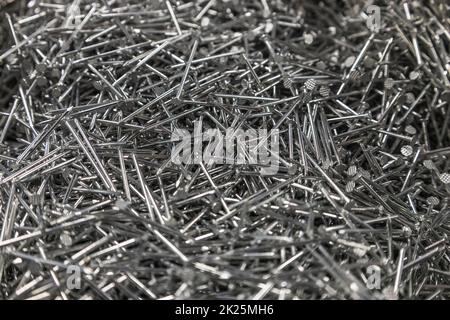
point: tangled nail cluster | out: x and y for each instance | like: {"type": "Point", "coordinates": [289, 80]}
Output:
{"type": "Point", "coordinates": [92, 205]}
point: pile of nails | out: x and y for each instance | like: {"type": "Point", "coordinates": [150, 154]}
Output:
{"type": "Point", "coordinates": [93, 207]}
